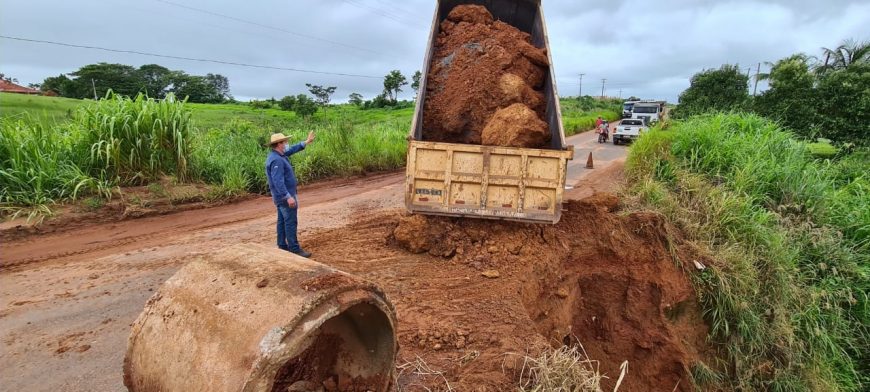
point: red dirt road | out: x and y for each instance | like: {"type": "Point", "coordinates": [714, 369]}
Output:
{"type": "Point", "coordinates": [68, 298]}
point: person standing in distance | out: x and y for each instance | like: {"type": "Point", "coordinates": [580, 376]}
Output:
{"type": "Point", "coordinates": [282, 185]}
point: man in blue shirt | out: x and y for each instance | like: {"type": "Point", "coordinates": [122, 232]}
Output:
{"type": "Point", "coordinates": [282, 184]}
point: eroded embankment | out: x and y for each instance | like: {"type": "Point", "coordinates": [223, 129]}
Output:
{"type": "Point", "coordinates": [615, 283]}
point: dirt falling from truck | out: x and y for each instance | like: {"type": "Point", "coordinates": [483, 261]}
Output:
{"type": "Point", "coordinates": [474, 296]}
{"type": "Point", "coordinates": [484, 83]}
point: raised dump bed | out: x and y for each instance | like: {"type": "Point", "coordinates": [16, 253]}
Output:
{"type": "Point", "coordinates": [251, 318]}
{"type": "Point", "coordinates": [490, 181]}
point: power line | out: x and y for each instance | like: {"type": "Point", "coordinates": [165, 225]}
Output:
{"type": "Point", "coordinates": [381, 12]}
{"type": "Point", "coordinates": [187, 58]}
{"type": "Point", "coordinates": [268, 26]}
{"type": "Point", "coordinates": [197, 21]}
{"type": "Point", "coordinates": [377, 10]}
{"type": "Point", "coordinates": [396, 7]}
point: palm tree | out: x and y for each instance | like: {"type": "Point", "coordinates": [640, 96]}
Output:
{"type": "Point", "coordinates": [849, 52]}
{"type": "Point", "coordinates": [799, 57]}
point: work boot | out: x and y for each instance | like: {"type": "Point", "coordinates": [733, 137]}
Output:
{"type": "Point", "coordinates": [303, 253]}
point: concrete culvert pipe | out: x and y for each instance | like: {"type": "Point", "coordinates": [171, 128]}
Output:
{"type": "Point", "coordinates": [251, 318]}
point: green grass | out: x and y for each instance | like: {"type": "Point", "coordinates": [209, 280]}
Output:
{"type": "Point", "coordinates": [47, 109]}
{"type": "Point", "coordinates": [822, 148]}
{"type": "Point", "coordinates": [236, 153]}
{"type": "Point", "coordinates": [786, 299]}
{"type": "Point", "coordinates": [580, 115]}
{"type": "Point", "coordinates": [120, 141]}
{"type": "Point", "coordinates": [38, 167]}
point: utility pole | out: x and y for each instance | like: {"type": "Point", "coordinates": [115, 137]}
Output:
{"type": "Point", "coordinates": [757, 72]}
{"type": "Point", "coordinates": [620, 93]}
{"type": "Point", "coordinates": [748, 78]}
{"type": "Point", "coordinates": [580, 93]}
{"type": "Point", "coordinates": [94, 86]}
{"type": "Point", "coordinates": [603, 82]}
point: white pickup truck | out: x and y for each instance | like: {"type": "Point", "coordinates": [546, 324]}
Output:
{"type": "Point", "coordinates": [628, 129]}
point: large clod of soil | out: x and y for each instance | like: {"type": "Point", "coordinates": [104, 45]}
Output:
{"type": "Point", "coordinates": [480, 66]}
{"type": "Point", "coordinates": [515, 126]}
{"type": "Point", "coordinates": [514, 89]}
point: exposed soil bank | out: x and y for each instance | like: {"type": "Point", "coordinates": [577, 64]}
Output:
{"type": "Point", "coordinates": [479, 289]}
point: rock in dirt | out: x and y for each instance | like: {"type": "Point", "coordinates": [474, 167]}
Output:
{"type": "Point", "coordinates": [304, 386]}
{"type": "Point", "coordinates": [480, 66]}
{"type": "Point", "coordinates": [330, 385]}
{"type": "Point", "coordinates": [603, 200]}
{"type": "Point", "coordinates": [515, 90]}
{"type": "Point", "coordinates": [515, 126]}
{"type": "Point", "coordinates": [411, 233]}
{"type": "Point", "coordinates": [492, 274]}
{"type": "Point", "coordinates": [419, 234]}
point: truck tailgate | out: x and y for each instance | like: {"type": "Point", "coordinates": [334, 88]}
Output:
{"type": "Point", "coordinates": [485, 181]}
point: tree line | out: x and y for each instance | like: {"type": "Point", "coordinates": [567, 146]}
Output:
{"type": "Point", "coordinates": [156, 81]}
{"type": "Point", "coordinates": [306, 106]}
{"type": "Point", "coordinates": [816, 97]}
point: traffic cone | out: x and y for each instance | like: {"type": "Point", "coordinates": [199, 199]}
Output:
{"type": "Point", "coordinates": [589, 164]}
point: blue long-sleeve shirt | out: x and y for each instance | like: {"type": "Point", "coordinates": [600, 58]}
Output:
{"type": "Point", "coordinates": [280, 174]}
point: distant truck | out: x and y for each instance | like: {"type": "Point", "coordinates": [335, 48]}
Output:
{"type": "Point", "coordinates": [650, 112]}
{"type": "Point", "coordinates": [627, 106]}
{"type": "Point", "coordinates": [468, 180]}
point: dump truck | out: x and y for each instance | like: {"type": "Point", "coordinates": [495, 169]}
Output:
{"type": "Point", "coordinates": [479, 181]}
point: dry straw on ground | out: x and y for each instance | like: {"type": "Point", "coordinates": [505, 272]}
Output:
{"type": "Point", "coordinates": [566, 369]}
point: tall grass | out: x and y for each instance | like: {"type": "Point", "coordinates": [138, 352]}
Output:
{"type": "Point", "coordinates": [340, 149]}
{"type": "Point", "coordinates": [134, 140]}
{"type": "Point", "coordinates": [37, 167]}
{"type": "Point", "coordinates": [116, 141]}
{"type": "Point", "coordinates": [787, 301]}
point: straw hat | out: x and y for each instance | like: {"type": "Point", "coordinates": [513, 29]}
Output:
{"type": "Point", "coordinates": [277, 138]}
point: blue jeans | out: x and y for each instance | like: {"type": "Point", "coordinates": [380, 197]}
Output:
{"type": "Point", "coordinates": [287, 228]}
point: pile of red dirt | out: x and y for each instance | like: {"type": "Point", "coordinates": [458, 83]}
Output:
{"type": "Point", "coordinates": [470, 294]}
{"type": "Point", "coordinates": [483, 83]}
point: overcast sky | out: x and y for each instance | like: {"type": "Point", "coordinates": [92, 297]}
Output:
{"type": "Point", "coordinates": [646, 48]}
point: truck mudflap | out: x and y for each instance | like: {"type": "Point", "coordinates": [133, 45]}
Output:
{"type": "Point", "coordinates": [491, 182]}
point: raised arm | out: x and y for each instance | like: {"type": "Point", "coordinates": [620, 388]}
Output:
{"type": "Point", "coordinates": [301, 145]}
{"type": "Point", "coordinates": [295, 148]}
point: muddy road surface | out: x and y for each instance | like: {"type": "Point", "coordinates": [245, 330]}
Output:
{"type": "Point", "coordinates": [68, 298]}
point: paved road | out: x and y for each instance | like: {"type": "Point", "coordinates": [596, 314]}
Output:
{"type": "Point", "coordinates": [603, 155]}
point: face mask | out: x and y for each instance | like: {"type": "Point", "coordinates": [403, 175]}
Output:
{"type": "Point", "coordinates": [286, 147]}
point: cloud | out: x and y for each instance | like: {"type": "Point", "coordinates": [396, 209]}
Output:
{"type": "Point", "coordinates": [645, 48]}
